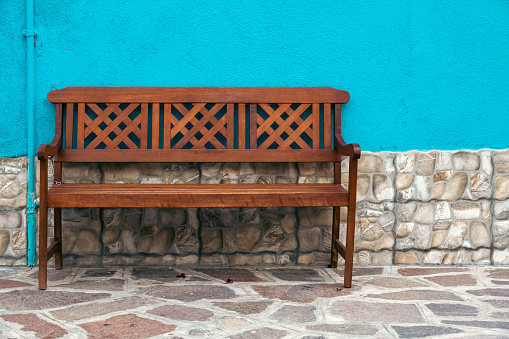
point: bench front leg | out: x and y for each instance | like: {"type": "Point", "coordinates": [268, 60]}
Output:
{"type": "Point", "coordinates": [350, 223]}
{"type": "Point", "coordinates": [43, 225]}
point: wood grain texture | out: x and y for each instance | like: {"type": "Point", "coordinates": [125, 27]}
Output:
{"type": "Point", "coordinates": [199, 94]}
{"type": "Point", "coordinates": [196, 195]}
{"type": "Point", "coordinates": [198, 155]}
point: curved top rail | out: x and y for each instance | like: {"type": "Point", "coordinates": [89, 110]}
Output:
{"type": "Point", "coordinates": [199, 94]}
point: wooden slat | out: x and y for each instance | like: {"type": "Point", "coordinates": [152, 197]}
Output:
{"type": "Point", "coordinates": [155, 126]}
{"type": "Point", "coordinates": [316, 126]}
{"type": "Point", "coordinates": [81, 126]}
{"type": "Point", "coordinates": [52, 249]}
{"type": "Point", "coordinates": [253, 114]}
{"type": "Point", "coordinates": [192, 155]}
{"type": "Point", "coordinates": [199, 94]}
{"type": "Point", "coordinates": [195, 195]}
{"type": "Point", "coordinates": [327, 132]}
{"type": "Point", "coordinates": [241, 111]}
{"type": "Point", "coordinates": [230, 128]}
{"type": "Point", "coordinates": [124, 134]}
{"type": "Point", "coordinates": [337, 119]}
{"type": "Point", "coordinates": [340, 248]}
{"type": "Point", "coordinates": [144, 126]}
{"type": "Point", "coordinates": [167, 126]}
{"type": "Point", "coordinates": [69, 124]}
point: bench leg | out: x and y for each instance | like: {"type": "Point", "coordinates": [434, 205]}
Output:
{"type": "Point", "coordinates": [58, 238]}
{"type": "Point", "coordinates": [335, 236]}
{"type": "Point", "coordinates": [350, 236]}
{"type": "Point", "coordinates": [43, 247]}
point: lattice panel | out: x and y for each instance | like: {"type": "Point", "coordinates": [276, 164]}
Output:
{"type": "Point", "coordinates": [112, 126]}
{"type": "Point", "coordinates": [285, 126]}
{"type": "Point", "coordinates": [201, 125]}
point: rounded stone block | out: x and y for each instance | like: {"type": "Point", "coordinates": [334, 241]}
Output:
{"type": "Point", "coordinates": [248, 237]}
{"type": "Point", "coordinates": [88, 242]}
{"type": "Point", "coordinates": [309, 239]}
{"type": "Point", "coordinates": [501, 187]}
{"type": "Point", "coordinates": [501, 160]}
{"type": "Point", "coordinates": [456, 186]}
{"type": "Point", "coordinates": [163, 241]}
{"type": "Point", "coordinates": [120, 171]}
{"type": "Point", "coordinates": [10, 219]}
{"type": "Point", "coordinates": [404, 181]}
{"type": "Point", "coordinates": [11, 190]}
{"type": "Point", "coordinates": [370, 163]}
{"type": "Point", "coordinates": [5, 239]}
{"type": "Point", "coordinates": [466, 161]}
{"type": "Point", "coordinates": [479, 234]}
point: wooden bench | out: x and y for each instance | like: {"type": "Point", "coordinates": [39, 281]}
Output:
{"type": "Point", "coordinates": [200, 124]}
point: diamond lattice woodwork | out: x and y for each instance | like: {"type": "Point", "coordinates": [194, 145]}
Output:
{"type": "Point", "coordinates": [285, 126]}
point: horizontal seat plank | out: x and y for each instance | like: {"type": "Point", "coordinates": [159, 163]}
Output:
{"type": "Point", "coordinates": [196, 195]}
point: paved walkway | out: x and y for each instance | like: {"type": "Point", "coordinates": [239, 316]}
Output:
{"type": "Point", "coordinates": [289, 302]}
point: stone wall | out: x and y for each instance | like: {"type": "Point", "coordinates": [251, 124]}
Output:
{"type": "Point", "coordinates": [13, 203]}
{"type": "Point", "coordinates": [437, 207]}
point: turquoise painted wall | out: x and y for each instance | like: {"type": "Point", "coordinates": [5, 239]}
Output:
{"type": "Point", "coordinates": [422, 74]}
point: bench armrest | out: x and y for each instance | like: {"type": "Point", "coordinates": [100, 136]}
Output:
{"type": "Point", "coordinates": [351, 150]}
{"type": "Point", "coordinates": [46, 151]}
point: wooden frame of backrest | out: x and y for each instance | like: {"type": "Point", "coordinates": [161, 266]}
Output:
{"type": "Point", "coordinates": [164, 98]}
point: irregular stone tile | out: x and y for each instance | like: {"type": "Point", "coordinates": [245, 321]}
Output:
{"type": "Point", "coordinates": [260, 333]}
{"type": "Point", "coordinates": [25, 300]}
{"type": "Point", "coordinates": [106, 285]}
{"type": "Point", "coordinates": [389, 282]}
{"type": "Point", "coordinates": [498, 303]}
{"type": "Point", "coordinates": [454, 280]}
{"type": "Point", "coordinates": [54, 275]}
{"type": "Point", "coordinates": [236, 274]}
{"type": "Point", "coordinates": [181, 312]}
{"type": "Point", "coordinates": [235, 323]}
{"type": "Point", "coordinates": [95, 309]}
{"type": "Point", "coordinates": [478, 323]}
{"type": "Point", "coordinates": [479, 234]}
{"type": "Point", "coordinates": [296, 274]}
{"type": "Point", "coordinates": [466, 161]}
{"type": "Point", "coordinates": [160, 274]}
{"type": "Point", "coordinates": [126, 326]}
{"type": "Point", "coordinates": [500, 315]}
{"type": "Point", "coordinates": [361, 311]}
{"type": "Point", "coordinates": [99, 272]}
{"type": "Point", "coordinates": [302, 293]}
{"type": "Point", "coordinates": [363, 271]}
{"type": "Point", "coordinates": [201, 332]}
{"type": "Point", "coordinates": [413, 271]}
{"type": "Point", "coordinates": [32, 323]}
{"type": "Point", "coordinates": [7, 283]}
{"type": "Point", "coordinates": [494, 292]}
{"type": "Point", "coordinates": [455, 310]}
{"type": "Point", "coordinates": [416, 295]}
{"type": "Point", "coordinates": [423, 331]}
{"type": "Point", "coordinates": [294, 314]}
{"type": "Point", "coordinates": [245, 307]}
{"type": "Point", "coordinates": [348, 328]}
{"type": "Point", "coordinates": [500, 282]}
{"type": "Point", "coordinates": [189, 293]}
{"type": "Point", "coordinates": [498, 273]}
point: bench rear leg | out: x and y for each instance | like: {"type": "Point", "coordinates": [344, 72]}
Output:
{"type": "Point", "coordinates": [335, 236]}
{"type": "Point", "coordinates": [43, 246]}
{"type": "Point", "coordinates": [58, 237]}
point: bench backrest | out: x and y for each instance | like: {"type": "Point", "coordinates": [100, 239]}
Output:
{"type": "Point", "coordinates": [198, 124]}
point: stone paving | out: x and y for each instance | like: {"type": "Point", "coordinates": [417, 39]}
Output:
{"type": "Point", "coordinates": [262, 302]}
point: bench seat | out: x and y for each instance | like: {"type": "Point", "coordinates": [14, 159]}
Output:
{"type": "Point", "coordinates": [196, 195]}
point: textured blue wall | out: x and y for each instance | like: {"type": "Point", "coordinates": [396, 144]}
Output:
{"type": "Point", "coordinates": [422, 74]}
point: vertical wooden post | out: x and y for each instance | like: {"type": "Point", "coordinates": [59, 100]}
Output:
{"type": "Point", "coordinates": [43, 226]}
{"type": "Point", "coordinates": [58, 221]}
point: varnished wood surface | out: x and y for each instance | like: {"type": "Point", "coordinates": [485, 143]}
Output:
{"type": "Point", "coordinates": [198, 155]}
{"type": "Point", "coordinates": [199, 94]}
{"type": "Point", "coordinates": [196, 195]}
